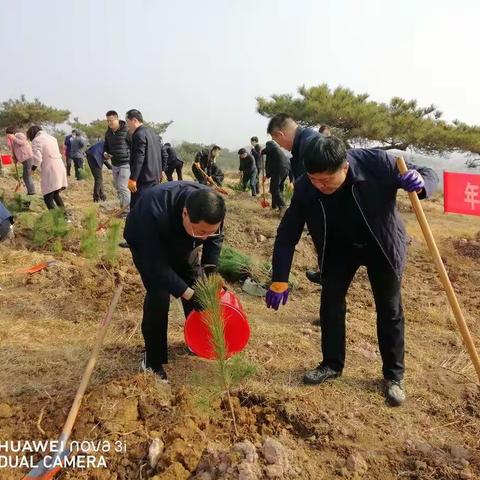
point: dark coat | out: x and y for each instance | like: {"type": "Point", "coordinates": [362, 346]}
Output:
{"type": "Point", "coordinates": [300, 142]}
{"type": "Point", "coordinates": [5, 214]}
{"type": "Point", "coordinates": [117, 144]}
{"type": "Point", "coordinates": [154, 230]}
{"type": "Point", "coordinates": [95, 156]}
{"type": "Point", "coordinates": [277, 164]}
{"type": "Point", "coordinates": [247, 165]}
{"type": "Point", "coordinates": [256, 153]}
{"type": "Point", "coordinates": [374, 187]}
{"type": "Point", "coordinates": [146, 157]}
{"type": "Point", "coordinates": [208, 166]}
{"type": "Point", "coordinates": [173, 159]}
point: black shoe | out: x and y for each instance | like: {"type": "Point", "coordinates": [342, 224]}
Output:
{"type": "Point", "coordinates": [159, 372]}
{"type": "Point", "coordinates": [320, 374]}
{"type": "Point", "coordinates": [124, 245]}
{"type": "Point", "coordinates": [314, 276]}
{"type": "Point", "coordinates": [394, 392]}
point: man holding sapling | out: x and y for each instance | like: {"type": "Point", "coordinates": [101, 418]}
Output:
{"type": "Point", "coordinates": [166, 230]}
{"type": "Point", "coordinates": [348, 201]}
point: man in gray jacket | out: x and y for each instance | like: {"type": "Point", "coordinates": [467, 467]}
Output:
{"type": "Point", "coordinates": [77, 152]}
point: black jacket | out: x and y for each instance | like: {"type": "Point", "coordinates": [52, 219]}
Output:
{"type": "Point", "coordinates": [256, 153]}
{"type": "Point", "coordinates": [146, 156]}
{"type": "Point", "coordinates": [247, 165]}
{"type": "Point", "coordinates": [154, 229]}
{"type": "Point", "coordinates": [277, 164]}
{"type": "Point", "coordinates": [173, 159]}
{"type": "Point", "coordinates": [374, 178]}
{"type": "Point", "coordinates": [208, 166]}
{"type": "Point", "coordinates": [117, 144]}
{"type": "Point", "coordinates": [301, 140]}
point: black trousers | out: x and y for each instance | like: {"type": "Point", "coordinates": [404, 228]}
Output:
{"type": "Point", "coordinates": [53, 200]}
{"type": "Point", "coordinates": [338, 272]}
{"type": "Point", "coordinates": [174, 168]}
{"type": "Point", "coordinates": [98, 191]}
{"type": "Point", "coordinates": [156, 307]}
{"type": "Point", "coordinates": [78, 164]}
{"type": "Point", "coordinates": [69, 161]}
{"type": "Point", "coordinates": [277, 184]}
{"type": "Point", "coordinates": [252, 178]}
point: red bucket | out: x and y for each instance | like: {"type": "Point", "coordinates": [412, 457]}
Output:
{"type": "Point", "coordinates": [6, 159]}
{"type": "Point", "coordinates": [237, 329]}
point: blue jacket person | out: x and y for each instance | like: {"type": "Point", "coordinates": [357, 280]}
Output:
{"type": "Point", "coordinates": [348, 201]}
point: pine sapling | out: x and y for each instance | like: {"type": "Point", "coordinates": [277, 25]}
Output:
{"type": "Point", "coordinates": [50, 227]}
{"type": "Point", "coordinates": [88, 237]}
{"type": "Point", "coordinates": [208, 290]}
{"type": "Point", "coordinates": [112, 239]}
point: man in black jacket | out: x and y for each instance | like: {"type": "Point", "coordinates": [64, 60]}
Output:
{"type": "Point", "coordinates": [174, 163]}
{"type": "Point", "coordinates": [277, 169]}
{"type": "Point", "coordinates": [348, 201]}
{"type": "Point", "coordinates": [205, 168]}
{"type": "Point", "coordinates": [145, 157]}
{"type": "Point", "coordinates": [256, 153]}
{"type": "Point", "coordinates": [165, 232]}
{"type": "Point", "coordinates": [248, 170]}
{"type": "Point", "coordinates": [290, 136]}
{"type": "Point", "coordinates": [117, 149]}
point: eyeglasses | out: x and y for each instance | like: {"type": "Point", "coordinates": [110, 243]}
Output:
{"type": "Point", "coordinates": [211, 235]}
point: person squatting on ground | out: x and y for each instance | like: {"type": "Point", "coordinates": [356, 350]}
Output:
{"type": "Point", "coordinates": [277, 169]}
{"type": "Point", "coordinates": [174, 163]}
{"type": "Point", "coordinates": [256, 153]}
{"type": "Point", "coordinates": [117, 149]}
{"type": "Point", "coordinates": [22, 153]}
{"type": "Point", "coordinates": [6, 223]}
{"type": "Point", "coordinates": [248, 171]}
{"type": "Point", "coordinates": [47, 156]}
{"type": "Point", "coordinates": [145, 157]}
{"type": "Point", "coordinates": [348, 201]}
{"type": "Point", "coordinates": [96, 160]}
{"type": "Point", "coordinates": [77, 152]}
{"type": "Point", "coordinates": [205, 166]}
{"type": "Point", "coordinates": [169, 226]}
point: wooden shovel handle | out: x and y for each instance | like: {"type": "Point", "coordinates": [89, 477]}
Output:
{"type": "Point", "coordinates": [442, 272]}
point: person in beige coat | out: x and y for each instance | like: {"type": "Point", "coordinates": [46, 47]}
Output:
{"type": "Point", "coordinates": [47, 156]}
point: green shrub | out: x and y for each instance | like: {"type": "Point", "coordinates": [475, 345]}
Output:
{"type": "Point", "coordinates": [88, 237]}
{"type": "Point", "coordinates": [110, 245]}
{"type": "Point", "coordinates": [50, 228]}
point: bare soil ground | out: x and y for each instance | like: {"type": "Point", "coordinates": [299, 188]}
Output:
{"type": "Point", "coordinates": [342, 429]}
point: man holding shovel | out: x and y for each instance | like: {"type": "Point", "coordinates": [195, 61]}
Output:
{"type": "Point", "coordinates": [166, 230]}
{"type": "Point", "coordinates": [348, 201]}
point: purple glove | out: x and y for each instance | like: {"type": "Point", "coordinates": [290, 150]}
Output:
{"type": "Point", "coordinates": [274, 299]}
{"type": "Point", "coordinates": [411, 181]}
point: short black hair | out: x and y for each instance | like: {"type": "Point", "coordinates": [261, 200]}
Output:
{"type": "Point", "coordinates": [11, 130]}
{"type": "Point", "coordinates": [32, 131]}
{"type": "Point", "coordinates": [324, 155]}
{"type": "Point", "coordinates": [205, 205]}
{"type": "Point", "coordinates": [254, 139]}
{"type": "Point", "coordinates": [167, 144]}
{"type": "Point", "coordinates": [324, 128]}
{"type": "Point", "coordinates": [111, 113]}
{"type": "Point", "coordinates": [277, 122]}
{"type": "Point", "coordinates": [215, 147]}
{"type": "Point", "coordinates": [133, 113]}
{"type": "Point", "coordinates": [242, 151]}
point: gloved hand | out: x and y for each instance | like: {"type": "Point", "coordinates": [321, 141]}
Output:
{"type": "Point", "coordinates": [132, 185]}
{"type": "Point", "coordinates": [411, 181]}
{"type": "Point", "coordinates": [196, 305]}
{"type": "Point", "coordinates": [278, 293]}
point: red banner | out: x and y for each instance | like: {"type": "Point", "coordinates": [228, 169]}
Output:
{"type": "Point", "coordinates": [461, 193]}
